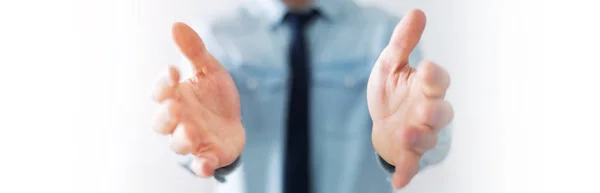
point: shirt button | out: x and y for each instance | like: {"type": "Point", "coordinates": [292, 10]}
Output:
{"type": "Point", "coordinates": [349, 81]}
{"type": "Point", "coordinates": [251, 83]}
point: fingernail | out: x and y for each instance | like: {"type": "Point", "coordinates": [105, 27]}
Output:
{"type": "Point", "coordinates": [203, 166]}
{"type": "Point", "coordinates": [170, 81]}
{"type": "Point", "coordinates": [196, 167]}
{"type": "Point", "coordinates": [179, 142]}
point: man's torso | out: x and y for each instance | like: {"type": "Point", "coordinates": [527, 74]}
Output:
{"type": "Point", "coordinates": [342, 52]}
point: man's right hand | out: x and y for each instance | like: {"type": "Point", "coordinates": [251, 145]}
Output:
{"type": "Point", "coordinates": [202, 113]}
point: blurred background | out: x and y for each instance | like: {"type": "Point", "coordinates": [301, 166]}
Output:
{"type": "Point", "coordinates": [76, 79]}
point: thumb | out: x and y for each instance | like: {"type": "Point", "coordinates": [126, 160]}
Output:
{"type": "Point", "coordinates": [192, 47]}
{"type": "Point", "coordinates": [404, 39]}
{"type": "Point", "coordinates": [407, 167]}
{"type": "Point", "coordinates": [205, 165]}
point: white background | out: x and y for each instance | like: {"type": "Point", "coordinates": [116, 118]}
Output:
{"type": "Point", "coordinates": [75, 109]}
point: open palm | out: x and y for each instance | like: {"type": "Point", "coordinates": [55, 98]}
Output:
{"type": "Point", "coordinates": [406, 104]}
{"type": "Point", "coordinates": [202, 113]}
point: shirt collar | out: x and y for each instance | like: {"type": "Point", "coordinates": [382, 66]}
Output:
{"type": "Point", "coordinates": [273, 11]}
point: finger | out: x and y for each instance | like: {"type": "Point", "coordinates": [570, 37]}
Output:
{"type": "Point", "coordinates": [434, 114]}
{"type": "Point", "coordinates": [167, 118]}
{"type": "Point", "coordinates": [192, 47]}
{"type": "Point", "coordinates": [205, 165]}
{"type": "Point", "coordinates": [166, 87]}
{"type": "Point", "coordinates": [417, 139]}
{"type": "Point", "coordinates": [407, 167]}
{"type": "Point", "coordinates": [180, 142]}
{"type": "Point", "coordinates": [405, 38]}
{"type": "Point", "coordinates": [435, 79]}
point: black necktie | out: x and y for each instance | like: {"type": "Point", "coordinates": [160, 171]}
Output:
{"type": "Point", "coordinates": [297, 170]}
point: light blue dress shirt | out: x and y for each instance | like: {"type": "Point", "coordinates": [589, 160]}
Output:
{"type": "Point", "coordinates": [344, 43]}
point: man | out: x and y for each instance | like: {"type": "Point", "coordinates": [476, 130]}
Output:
{"type": "Point", "coordinates": [285, 94]}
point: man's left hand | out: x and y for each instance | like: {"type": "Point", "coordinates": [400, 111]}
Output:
{"type": "Point", "coordinates": [406, 104]}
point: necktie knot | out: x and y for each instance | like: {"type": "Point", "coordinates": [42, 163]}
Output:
{"type": "Point", "coordinates": [299, 20]}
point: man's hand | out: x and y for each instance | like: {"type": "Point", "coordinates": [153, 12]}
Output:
{"type": "Point", "coordinates": [407, 105]}
{"type": "Point", "coordinates": [202, 113]}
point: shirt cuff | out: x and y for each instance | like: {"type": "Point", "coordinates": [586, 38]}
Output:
{"type": "Point", "coordinates": [219, 174]}
{"type": "Point", "coordinates": [389, 169]}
